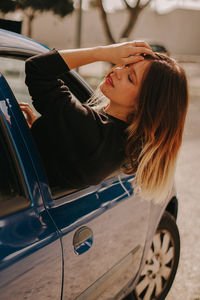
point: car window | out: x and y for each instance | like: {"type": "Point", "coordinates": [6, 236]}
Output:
{"type": "Point", "coordinates": [13, 69]}
{"type": "Point", "coordinates": [14, 72]}
{"type": "Point", "coordinates": [12, 194]}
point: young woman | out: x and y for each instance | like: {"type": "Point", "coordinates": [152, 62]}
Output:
{"type": "Point", "coordinates": [139, 129]}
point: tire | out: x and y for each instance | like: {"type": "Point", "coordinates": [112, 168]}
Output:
{"type": "Point", "coordinates": [161, 264]}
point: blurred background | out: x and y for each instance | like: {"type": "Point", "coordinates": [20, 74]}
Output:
{"type": "Point", "coordinates": [170, 26]}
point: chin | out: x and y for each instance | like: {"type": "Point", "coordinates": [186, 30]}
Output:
{"type": "Point", "coordinates": [103, 89]}
{"type": "Point", "coordinates": [106, 90]}
{"type": "Point", "coordinates": [102, 86]}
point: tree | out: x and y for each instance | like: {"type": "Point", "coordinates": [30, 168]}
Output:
{"type": "Point", "coordinates": [32, 7]}
{"type": "Point", "coordinates": [134, 11]}
{"type": "Point", "coordinates": [7, 6]}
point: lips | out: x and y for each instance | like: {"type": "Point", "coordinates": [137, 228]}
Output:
{"type": "Point", "coordinates": [109, 81]}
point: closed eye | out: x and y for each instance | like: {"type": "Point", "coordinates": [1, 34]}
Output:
{"type": "Point", "coordinates": [130, 79]}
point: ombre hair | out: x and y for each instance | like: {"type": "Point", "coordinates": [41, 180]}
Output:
{"type": "Point", "coordinates": [156, 128]}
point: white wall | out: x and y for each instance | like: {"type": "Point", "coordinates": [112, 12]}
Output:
{"type": "Point", "coordinates": [178, 30]}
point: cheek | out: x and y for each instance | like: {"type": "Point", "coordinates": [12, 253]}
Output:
{"type": "Point", "coordinates": [105, 89]}
{"type": "Point", "coordinates": [131, 94]}
{"type": "Point", "coordinates": [129, 97]}
{"type": "Point", "coordinates": [102, 86]}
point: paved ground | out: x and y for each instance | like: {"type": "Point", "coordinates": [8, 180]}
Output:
{"type": "Point", "coordinates": [187, 282]}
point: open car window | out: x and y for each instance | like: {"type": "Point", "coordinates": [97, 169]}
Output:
{"type": "Point", "coordinates": [13, 70]}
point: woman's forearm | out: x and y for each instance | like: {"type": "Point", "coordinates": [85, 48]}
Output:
{"type": "Point", "coordinates": [78, 57]}
{"type": "Point", "coordinates": [124, 53]}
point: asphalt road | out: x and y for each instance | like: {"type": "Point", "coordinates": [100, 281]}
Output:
{"type": "Point", "coordinates": [187, 282]}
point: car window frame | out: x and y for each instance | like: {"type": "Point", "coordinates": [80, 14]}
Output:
{"type": "Point", "coordinates": [79, 89]}
{"type": "Point", "coordinates": [25, 201]}
{"type": "Point", "coordinates": [83, 87]}
{"type": "Point", "coordinates": [82, 92]}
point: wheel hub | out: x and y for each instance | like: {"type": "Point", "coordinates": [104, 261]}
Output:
{"type": "Point", "coordinates": [157, 268]}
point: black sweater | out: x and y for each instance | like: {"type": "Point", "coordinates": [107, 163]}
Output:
{"type": "Point", "coordinates": [78, 146]}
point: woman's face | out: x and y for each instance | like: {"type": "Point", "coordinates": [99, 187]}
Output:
{"type": "Point", "coordinates": [123, 83]}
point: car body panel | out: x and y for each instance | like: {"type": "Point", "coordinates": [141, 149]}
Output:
{"type": "Point", "coordinates": [111, 215]}
{"type": "Point", "coordinates": [29, 246]}
{"type": "Point", "coordinates": [29, 239]}
{"type": "Point", "coordinates": [40, 255]}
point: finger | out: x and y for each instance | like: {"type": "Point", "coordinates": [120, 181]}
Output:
{"type": "Point", "coordinates": [28, 116]}
{"type": "Point", "coordinates": [27, 107]}
{"type": "Point", "coordinates": [23, 103]}
{"type": "Point", "coordinates": [142, 44]}
{"type": "Point", "coordinates": [21, 106]}
{"type": "Point", "coordinates": [24, 108]}
{"type": "Point", "coordinates": [133, 59]}
{"type": "Point", "coordinates": [139, 51]}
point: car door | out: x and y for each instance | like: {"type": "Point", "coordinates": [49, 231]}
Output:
{"type": "Point", "coordinates": [30, 247]}
{"type": "Point", "coordinates": [103, 231]}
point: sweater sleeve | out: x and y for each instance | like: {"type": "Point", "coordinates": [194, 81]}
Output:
{"type": "Point", "coordinates": [42, 78]}
{"type": "Point", "coordinates": [53, 100]}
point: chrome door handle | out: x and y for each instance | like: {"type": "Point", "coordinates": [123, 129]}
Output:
{"type": "Point", "coordinates": [83, 240]}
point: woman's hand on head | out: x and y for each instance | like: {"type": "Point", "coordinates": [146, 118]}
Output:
{"type": "Point", "coordinates": [118, 54]}
{"type": "Point", "coordinates": [127, 53]}
{"type": "Point", "coordinates": [29, 114]}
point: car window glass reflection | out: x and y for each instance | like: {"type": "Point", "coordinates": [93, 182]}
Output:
{"type": "Point", "coordinates": [13, 71]}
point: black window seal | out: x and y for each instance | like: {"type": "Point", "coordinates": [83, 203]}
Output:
{"type": "Point", "coordinates": [17, 167]}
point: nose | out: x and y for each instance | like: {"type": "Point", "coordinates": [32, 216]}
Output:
{"type": "Point", "coordinates": [119, 71]}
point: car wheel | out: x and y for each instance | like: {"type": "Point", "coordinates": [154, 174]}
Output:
{"type": "Point", "coordinates": [162, 262]}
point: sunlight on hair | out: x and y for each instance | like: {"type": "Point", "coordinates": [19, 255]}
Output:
{"type": "Point", "coordinates": [155, 134]}
{"type": "Point", "coordinates": [98, 101]}
{"type": "Point", "coordinates": [154, 186]}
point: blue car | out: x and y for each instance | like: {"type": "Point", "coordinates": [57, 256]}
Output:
{"type": "Point", "coordinates": [101, 242]}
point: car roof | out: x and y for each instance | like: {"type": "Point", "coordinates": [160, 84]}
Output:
{"type": "Point", "coordinates": [16, 44]}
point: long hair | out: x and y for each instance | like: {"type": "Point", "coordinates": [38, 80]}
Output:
{"type": "Point", "coordinates": [156, 128]}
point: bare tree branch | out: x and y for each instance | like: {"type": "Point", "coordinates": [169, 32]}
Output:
{"type": "Point", "coordinates": [133, 16]}
{"type": "Point", "coordinates": [30, 14]}
{"type": "Point", "coordinates": [133, 12]}
{"type": "Point", "coordinates": [127, 5]}
{"type": "Point", "coordinates": [104, 19]}
{"type": "Point", "coordinates": [147, 3]}
{"type": "Point", "coordinates": [137, 4]}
